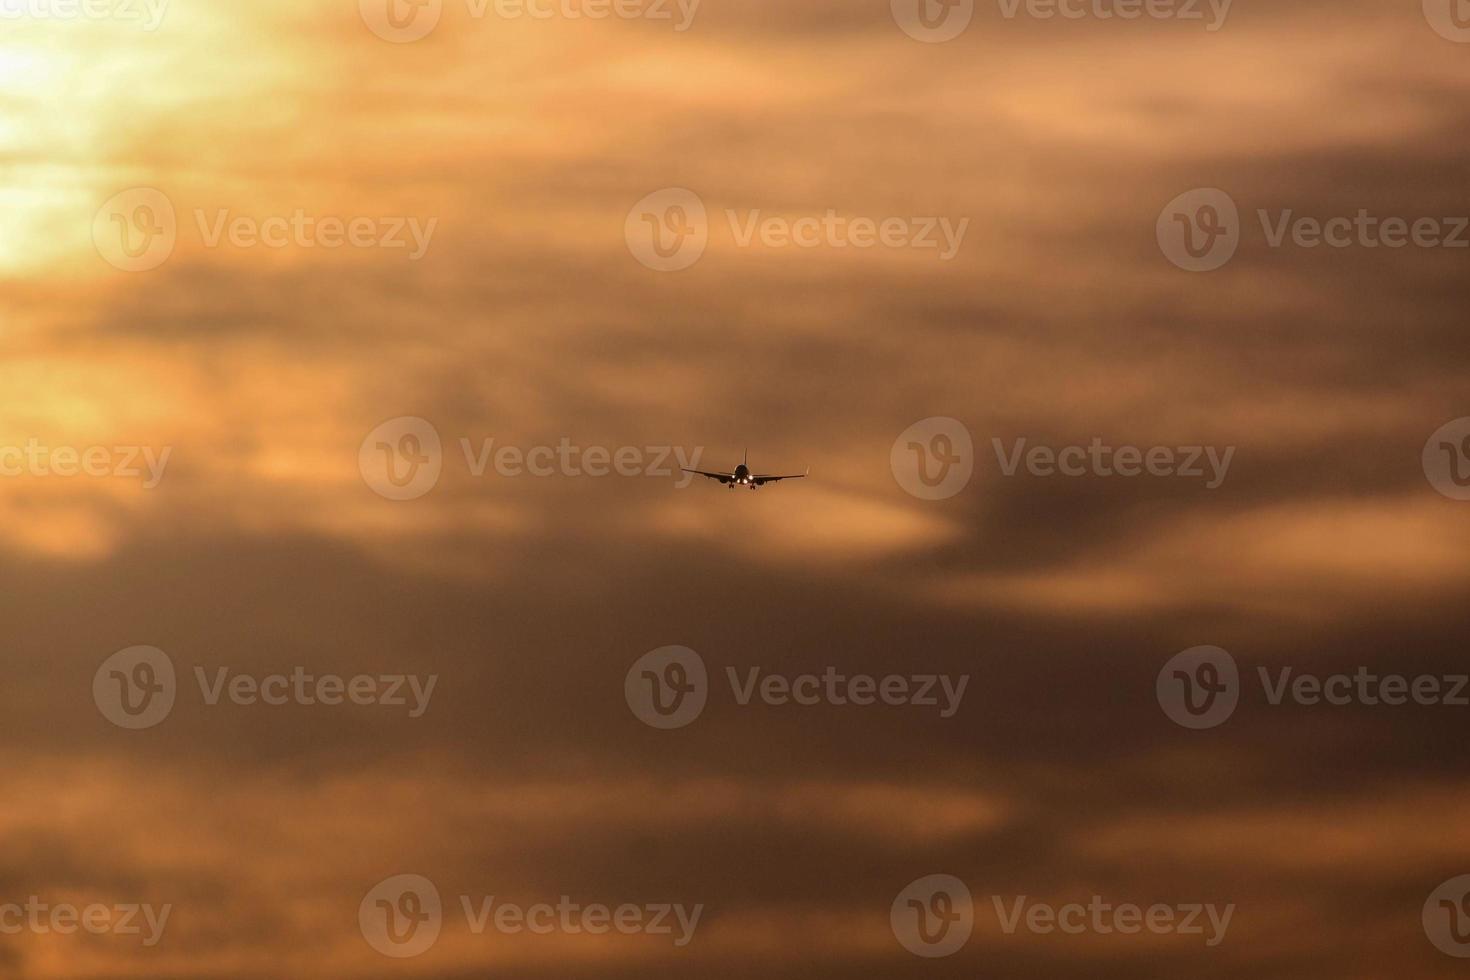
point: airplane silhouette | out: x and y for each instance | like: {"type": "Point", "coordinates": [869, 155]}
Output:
{"type": "Point", "coordinates": [742, 477]}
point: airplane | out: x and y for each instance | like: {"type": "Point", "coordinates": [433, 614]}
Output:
{"type": "Point", "coordinates": [742, 477]}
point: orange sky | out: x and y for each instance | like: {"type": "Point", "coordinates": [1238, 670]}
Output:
{"type": "Point", "coordinates": [515, 157]}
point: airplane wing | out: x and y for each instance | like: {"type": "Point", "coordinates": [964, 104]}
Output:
{"type": "Point", "coordinates": [761, 481]}
{"type": "Point", "coordinates": [722, 477]}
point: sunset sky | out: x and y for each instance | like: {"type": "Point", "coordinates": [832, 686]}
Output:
{"type": "Point", "coordinates": [524, 152]}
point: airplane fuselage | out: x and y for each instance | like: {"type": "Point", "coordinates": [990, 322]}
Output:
{"type": "Point", "coordinates": [743, 476]}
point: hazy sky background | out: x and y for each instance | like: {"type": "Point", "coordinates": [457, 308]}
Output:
{"type": "Point", "coordinates": [529, 321]}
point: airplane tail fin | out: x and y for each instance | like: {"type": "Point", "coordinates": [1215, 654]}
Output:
{"type": "Point", "coordinates": [746, 460]}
